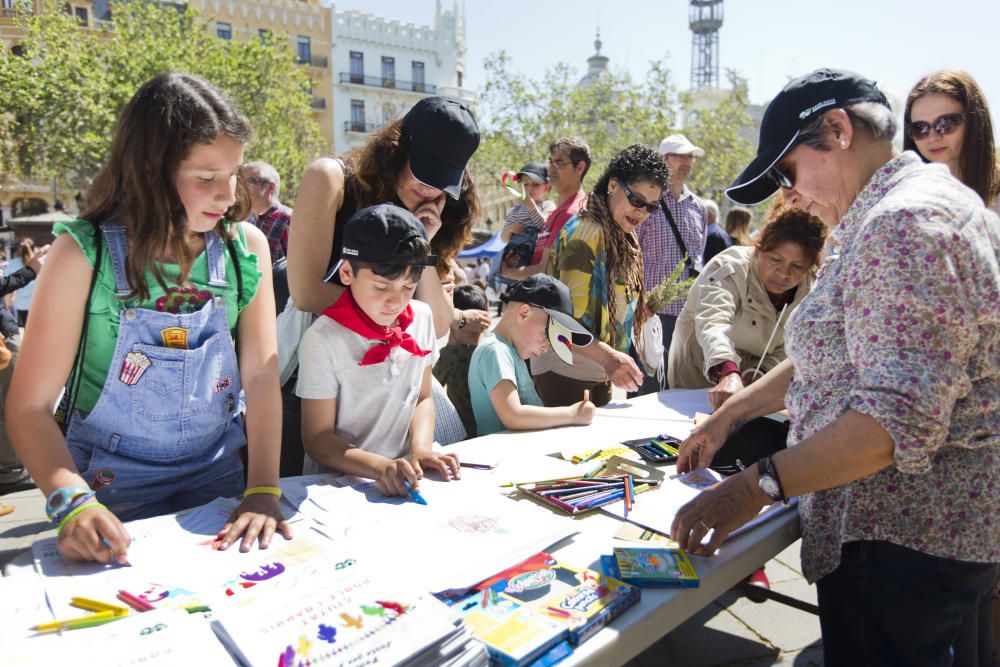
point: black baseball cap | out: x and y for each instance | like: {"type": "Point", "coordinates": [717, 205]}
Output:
{"type": "Point", "coordinates": [795, 106]}
{"type": "Point", "coordinates": [373, 236]}
{"type": "Point", "coordinates": [553, 297]}
{"type": "Point", "coordinates": [443, 135]}
{"type": "Point", "coordinates": [536, 171]}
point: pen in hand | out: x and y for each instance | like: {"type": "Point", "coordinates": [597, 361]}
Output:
{"type": "Point", "coordinates": [417, 498]}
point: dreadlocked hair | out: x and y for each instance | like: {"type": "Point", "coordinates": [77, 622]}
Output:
{"type": "Point", "coordinates": [635, 164]}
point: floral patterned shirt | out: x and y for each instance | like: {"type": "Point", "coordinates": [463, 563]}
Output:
{"type": "Point", "coordinates": [904, 326]}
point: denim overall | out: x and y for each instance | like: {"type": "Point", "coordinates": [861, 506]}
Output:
{"type": "Point", "coordinates": [165, 433]}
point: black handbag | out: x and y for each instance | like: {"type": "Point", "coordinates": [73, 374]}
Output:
{"type": "Point", "coordinates": [749, 443]}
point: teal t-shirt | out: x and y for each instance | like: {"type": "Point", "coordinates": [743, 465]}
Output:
{"type": "Point", "coordinates": [495, 360]}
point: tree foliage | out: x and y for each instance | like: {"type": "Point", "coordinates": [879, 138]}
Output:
{"type": "Point", "coordinates": [522, 116]}
{"type": "Point", "coordinates": [61, 99]}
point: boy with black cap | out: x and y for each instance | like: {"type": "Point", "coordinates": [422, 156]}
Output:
{"type": "Point", "coordinates": [523, 222]}
{"type": "Point", "coordinates": [539, 313]}
{"type": "Point", "coordinates": [365, 364]}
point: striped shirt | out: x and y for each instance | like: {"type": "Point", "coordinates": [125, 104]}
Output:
{"type": "Point", "coordinates": [660, 251]}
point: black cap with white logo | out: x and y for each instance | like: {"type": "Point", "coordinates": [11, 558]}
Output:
{"type": "Point", "coordinates": [443, 135]}
{"type": "Point", "coordinates": [373, 235]}
{"type": "Point", "coordinates": [793, 108]}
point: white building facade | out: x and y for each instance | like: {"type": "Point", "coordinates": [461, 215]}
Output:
{"type": "Point", "coordinates": [381, 67]}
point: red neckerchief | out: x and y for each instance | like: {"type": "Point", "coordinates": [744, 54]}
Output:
{"type": "Point", "coordinates": [346, 312]}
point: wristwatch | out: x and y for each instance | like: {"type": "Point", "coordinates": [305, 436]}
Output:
{"type": "Point", "coordinates": [767, 480]}
{"type": "Point", "coordinates": [62, 498]}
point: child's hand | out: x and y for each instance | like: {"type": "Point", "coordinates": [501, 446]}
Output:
{"type": "Point", "coordinates": [257, 517]}
{"type": "Point", "coordinates": [583, 412]}
{"type": "Point", "coordinates": [445, 464]}
{"type": "Point", "coordinates": [95, 534]}
{"type": "Point", "coordinates": [389, 478]}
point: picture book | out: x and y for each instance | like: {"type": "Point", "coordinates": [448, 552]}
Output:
{"type": "Point", "coordinates": [351, 617]}
{"type": "Point", "coordinates": [581, 600]}
{"type": "Point", "coordinates": [669, 568]}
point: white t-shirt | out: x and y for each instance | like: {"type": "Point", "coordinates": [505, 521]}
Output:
{"type": "Point", "coordinates": [375, 403]}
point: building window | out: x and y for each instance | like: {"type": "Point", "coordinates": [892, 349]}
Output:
{"type": "Point", "coordinates": [263, 34]}
{"type": "Point", "coordinates": [357, 67]}
{"type": "Point", "coordinates": [304, 49]}
{"type": "Point", "coordinates": [388, 72]}
{"type": "Point", "coordinates": [418, 76]}
{"type": "Point", "coordinates": [357, 115]}
{"type": "Point", "coordinates": [460, 78]}
{"type": "Point", "coordinates": [224, 30]}
{"type": "Point", "coordinates": [81, 15]}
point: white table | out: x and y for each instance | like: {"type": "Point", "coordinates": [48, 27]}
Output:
{"type": "Point", "coordinates": [659, 610]}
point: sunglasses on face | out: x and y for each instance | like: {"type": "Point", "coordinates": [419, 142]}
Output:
{"type": "Point", "coordinates": [638, 202]}
{"type": "Point", "coordinates": [946, 124]}
{"type": "Point", "coordinates": [781, 178]}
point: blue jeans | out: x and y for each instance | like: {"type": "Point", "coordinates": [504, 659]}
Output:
{"type": "Point", "coordinates": [889, 605]}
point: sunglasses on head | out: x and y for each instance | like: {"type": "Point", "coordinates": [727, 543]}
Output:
{"type": "Point", "coordinates": [945, 124]}
{"type": "Point", "coordinates": [638, 202]}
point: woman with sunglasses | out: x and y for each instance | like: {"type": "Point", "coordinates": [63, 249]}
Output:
{"type": "Point", "coordinates": [891, 386]}
{"type": "Point", "coordinates": [733, 320]}
{"type": "Point", "coordinates": [947, 120]}
{"type": "Point", "coordinates": [597, 256]}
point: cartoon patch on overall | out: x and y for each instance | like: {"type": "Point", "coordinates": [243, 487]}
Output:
{"type": "Point", "coordinates": [133, 367]}
{"type": "Point", "coordinates": [183, 300]}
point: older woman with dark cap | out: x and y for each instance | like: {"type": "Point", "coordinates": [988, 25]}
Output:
{"type": "Point", "coordinates": [892, 385]}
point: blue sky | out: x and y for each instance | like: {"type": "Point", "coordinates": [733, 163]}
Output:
{"type": "Point", "coordinates": [767, 41]}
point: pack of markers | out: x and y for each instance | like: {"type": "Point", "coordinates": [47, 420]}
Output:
{"type": "Point", "coordinates": [579, 494]}
{"type": "Point", "coordinates": [657, 449]}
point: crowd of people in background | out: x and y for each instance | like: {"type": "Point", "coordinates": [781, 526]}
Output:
{"type": "Point", "coordinates": [345, 335]}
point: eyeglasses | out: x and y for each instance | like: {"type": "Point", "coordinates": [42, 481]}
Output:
{"type": "Point", "coordinates": [558, 163]}
{"type": "Point", "coordinates": [945, 124]}
{"type": "Point", "coordinates": [781, 178]}
{"type": "Point", "coordinates": [638, 202]}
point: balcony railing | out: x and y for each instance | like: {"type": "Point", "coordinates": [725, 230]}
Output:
{"type": "Point", "coordinates": [318, 103]}
{"type": "Point", "coordinates": [103, 25]}
{"type": "Point", "coordinates": [363, 128]}
{"type": "Point", "coordinates": [380, 82]}
{"type": "Point", "coordinates": [13, 12]}
{"type": "Point", "coordinates": [319, 61]}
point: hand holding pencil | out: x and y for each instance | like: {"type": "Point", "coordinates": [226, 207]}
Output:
{"type": "Point", "coordinates": [583, 412]}
{"type": "Point", "coordinates": [95, 534]}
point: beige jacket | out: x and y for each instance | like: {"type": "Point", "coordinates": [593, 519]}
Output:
{"type": "Point", "coordinates": [727, 317]}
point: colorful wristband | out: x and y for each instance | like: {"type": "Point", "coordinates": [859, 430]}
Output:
{"type": "Point", "coordinates": [77, 502]}
{"type": "Point", "coordinates": [254, 490]}
{"type": "Point", "coordinates": [77, 510]}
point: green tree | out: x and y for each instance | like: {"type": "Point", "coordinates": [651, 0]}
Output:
{"type": "Point", "coordinates": [62, 98]}
{"type": "Point", "coordinates": [523, 116]}
{"type": "Point", "coordinates": [723, 130]}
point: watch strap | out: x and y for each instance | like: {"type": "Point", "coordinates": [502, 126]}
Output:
{"type": "Point", "coordinates": [773, 472]}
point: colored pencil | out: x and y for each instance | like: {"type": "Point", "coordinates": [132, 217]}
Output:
{"type": "Point", "coordinates": [91, 620]}
{"type": "Point", "coordinates": [96, 605]}
{"type": "Point", "coordinates": [417, 498]}
{"type": "Point", "coordinates": [135, 602]}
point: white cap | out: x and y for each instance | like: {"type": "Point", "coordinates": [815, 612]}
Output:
{"type": "Point", "coordinates": [678, 144]}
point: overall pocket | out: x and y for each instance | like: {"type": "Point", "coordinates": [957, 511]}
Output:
{"type": "Point", "coordinates": [177, 383]}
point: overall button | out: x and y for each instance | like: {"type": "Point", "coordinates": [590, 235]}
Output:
{"type": "Point", "coordinates": [219, 302]}
{"type": "Point", "coordinates": [130, 314]}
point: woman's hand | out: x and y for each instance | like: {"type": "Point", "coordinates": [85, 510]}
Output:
{"type": "Point", "coordinates": [429, 213]}
{"type": "Point", "coordinates": [38, 259]}
{"type": "Point", "coordinates": [446, 465]}
{"type": "Point", "coordinates": [476, 321]}
{"type": "Point", "coordinates": [698, 450]}
{"type": "Point", "coordinates": [257, 517]}
{"type": "Point", "coordinates": [95, 534]}
{"type": "Point", "coordinates": [726, 387]}
{"type": "Point", "coordinates": [722, 508]}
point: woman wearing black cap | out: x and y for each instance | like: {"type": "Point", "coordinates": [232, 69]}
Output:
{"type": "Point", "coordinates": [418, 162]}
{"type": "Point", "coordinates": [892, 385]}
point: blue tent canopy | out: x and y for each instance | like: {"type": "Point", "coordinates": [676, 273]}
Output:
{"type": "Point", "coordinates": [490, 247]}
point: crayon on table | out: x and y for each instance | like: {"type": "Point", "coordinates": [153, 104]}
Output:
{"type": "Point", "coordinates": [136, 603]}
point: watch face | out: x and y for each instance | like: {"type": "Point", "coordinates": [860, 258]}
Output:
{"type": "Point", "coordinates": [57, 500]}
{"type": "Point", "coordinates": [769, 486]}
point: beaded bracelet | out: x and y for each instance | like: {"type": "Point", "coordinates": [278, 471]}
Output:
{"type": "Point", "coordinates": [254, 490]}
{"type": "Point", "coordinates": [77, 510]}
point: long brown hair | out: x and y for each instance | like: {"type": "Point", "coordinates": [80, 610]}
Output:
{"type": "Point", "coordinates": [373, 171]}
{"type": "Point", "coordinates": [635, 164]}
{"type": "Point", "coordinates": [169, 115]}
{"type": "Point", "coordinates": [977, 161]}
{"type": "Point", "coordinates": [738, 225]}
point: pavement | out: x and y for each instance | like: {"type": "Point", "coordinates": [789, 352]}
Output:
{"type": "Point", "coordinates": [731, 632]}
